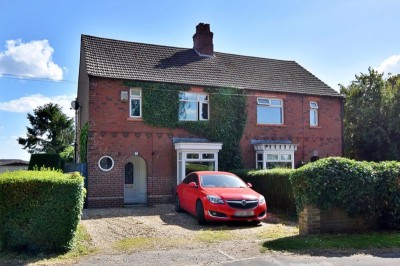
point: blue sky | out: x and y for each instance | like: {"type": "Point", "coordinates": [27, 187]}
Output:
{"type": "Point", "coordinates": [41, 40]}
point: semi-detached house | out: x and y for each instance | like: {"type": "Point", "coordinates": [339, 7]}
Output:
{"type": "Point", "coordinates": [155, 113]}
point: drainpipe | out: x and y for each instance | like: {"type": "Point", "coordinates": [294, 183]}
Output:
{"type": "Point", "coordinates": [342, 121]}
{"type": "Point", "coordinates": [302, 127]}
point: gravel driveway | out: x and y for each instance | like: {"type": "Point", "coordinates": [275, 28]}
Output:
{"type": "Point", "coordinates": [157, 234]}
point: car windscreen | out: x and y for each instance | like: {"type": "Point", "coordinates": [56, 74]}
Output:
{"type": "Point", "coordinates": [221, 181]}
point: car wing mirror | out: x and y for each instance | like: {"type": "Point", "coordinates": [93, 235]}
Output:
{"type": "Point", "coordinates": [192, 184]}
{"type": "Point", "coordinates": [249, 185]}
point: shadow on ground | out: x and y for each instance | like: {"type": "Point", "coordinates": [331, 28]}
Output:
{"type": "Point", "coordinates": [327, 252]}
{"type": "Point", "coordinates": [169, 216]}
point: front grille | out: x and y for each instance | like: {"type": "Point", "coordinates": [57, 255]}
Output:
{"type": "Point", "coordinates": [242, 204]}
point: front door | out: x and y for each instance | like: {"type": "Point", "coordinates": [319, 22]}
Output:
{"type": "Point", "coordinates": [135, 185]}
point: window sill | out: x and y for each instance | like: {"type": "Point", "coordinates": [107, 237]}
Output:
{"type": "Point", "coordinates": [134, 119]}
{"type": "Point", "coordinates": [270, 125]}
{"type": "Point", "coordinates": [315, 127]}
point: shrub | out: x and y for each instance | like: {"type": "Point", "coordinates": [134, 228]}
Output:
{"type": "Point", "coordinates": [387, 190]}
{"type": "Point", "coordinates": [45, 160]}
{"type": "Point", "coordinates": [338, 182]}
{"type": "Point", "coordinates": [39, 210]}
{"type": "Point", "coordinates": [274, 185]}
{"type": "Point", "coordinates": [364, 188]}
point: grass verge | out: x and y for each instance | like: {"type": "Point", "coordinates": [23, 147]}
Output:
{"type": "Point", "coordinates": [337, 242]}
{"type": "Point", "coordinates": [213, 236]}
{"type": "Point", "coordinates": [147, 243]}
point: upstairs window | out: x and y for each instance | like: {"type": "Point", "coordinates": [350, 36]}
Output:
{"type": "Point", "coordinates": [135, 103]}
{"type": "Point", "coordinates": [269, 111]}
{"type": "Point", "coordinates": [313, 114]}
{"type": "Point", "coordinates": [193, 106]}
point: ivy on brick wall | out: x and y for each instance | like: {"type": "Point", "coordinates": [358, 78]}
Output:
{"type": "Point", "coordinates": [227, 116]}
{"type": "Point", "coordinates": [83, 138]}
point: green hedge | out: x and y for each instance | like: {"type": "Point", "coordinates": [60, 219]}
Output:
{"type": "Point", "coordinates": [39, 210]}
{"type": "Point", "coordinates": [274, 185]}
{"type": "Point", "coordinates": [45, 160]}
{"type": "Point", "coordinates": [387, 191]}
{"type": "Point", "coordinates": [360, 188]}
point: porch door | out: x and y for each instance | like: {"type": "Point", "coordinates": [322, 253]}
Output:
{"type": "Point", "coordinates": [135, 187]}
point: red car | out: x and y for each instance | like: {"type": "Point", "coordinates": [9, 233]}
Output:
{"type": "Point", "coordinates": [219, 196]}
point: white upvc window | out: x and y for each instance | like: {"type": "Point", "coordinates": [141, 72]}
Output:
{"type": "Point", "coordinates": [313, 114]}
{"type": "Point", "coordinates": [269, 156]}
{"type": "Point", "coordinates": [135, 103]}
{"type": "Point", "coordinates": [193, 157]}
{"type": "Point", "coordinates": [193, 106]}
{"type": "Point", "coordinates": [269, 111]}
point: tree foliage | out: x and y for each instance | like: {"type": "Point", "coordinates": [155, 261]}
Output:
{"type": "Point", "coordinates": [372, 117]}
{"type": "Point", "coordinates": [51, 132]}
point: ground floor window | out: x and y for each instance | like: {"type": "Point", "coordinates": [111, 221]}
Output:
{"type": "Point", "coordinates": [274, 155]}
{"type": "Point", "coordinates": [193, 157]}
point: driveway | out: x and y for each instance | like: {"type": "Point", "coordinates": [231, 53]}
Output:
{"type": "Point", "coordinates": [148, 235]}
{"type": "Point", "coordinates": [157, 235]}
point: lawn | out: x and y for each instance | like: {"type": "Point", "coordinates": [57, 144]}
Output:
{"type": "Point", "coordinates": [338, 242]}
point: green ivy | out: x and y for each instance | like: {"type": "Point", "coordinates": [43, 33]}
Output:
{"type": "Point", "coordinates": [83, 138]}
{"type": "Point", "coordinates": [227, 116]}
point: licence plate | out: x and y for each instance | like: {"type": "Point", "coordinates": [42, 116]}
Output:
{"type": "Point", "coordinates": [244, 213]}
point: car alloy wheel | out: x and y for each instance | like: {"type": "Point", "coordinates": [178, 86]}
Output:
{"type": "Point", "coordinates": [200, 213]}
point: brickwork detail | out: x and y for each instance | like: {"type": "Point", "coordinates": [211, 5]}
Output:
{"type": "Point", "coordinates": [333, 220]}
{"type": "Point", "coordinates": [310, 220]}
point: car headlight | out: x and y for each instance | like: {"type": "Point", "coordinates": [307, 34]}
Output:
{"type": "Point", "coordinates": [261, 200]}
{"type": "Point", "coordinates": [215, 199]}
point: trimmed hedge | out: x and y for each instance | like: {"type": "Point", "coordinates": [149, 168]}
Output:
{"type": "Point", "coordinates": [274, 185]}
{"type": "Point", "coordinates": [360, 188]}
{"type": "Point", "coordinates": [39, 210]}
{"type": "Point", "coordinates": [387, 192]}
{"type": "Point", "coordinates": [45, 160]}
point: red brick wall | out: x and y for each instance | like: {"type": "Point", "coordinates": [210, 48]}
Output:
{"type": "Point", "coordinates": [333, 220]}
{"type": "Point", "coordinates": [113, 133]}
{"type": "Point", "coordinates": [326, 138]}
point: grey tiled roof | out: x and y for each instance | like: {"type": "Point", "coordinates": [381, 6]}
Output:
{"type": "Point", "coordinates": [4, 162]}
{"type": "Point", "coordinates": [147, 62]}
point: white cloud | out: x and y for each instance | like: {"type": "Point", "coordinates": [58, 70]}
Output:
{"type": "Point", "coordinates": [28, 103]}
{"type": "Point", "coordinates": [390, 65]}
{"type": "Point", "coordinates": [30, 59]}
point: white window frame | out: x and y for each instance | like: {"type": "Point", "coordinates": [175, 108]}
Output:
{"type": "Point", "coordinates": [276, 149]}
{"type": "Point", "coordinates": [105, 157]}
{"type": "Point", "coordinates": [199, 105]}
{"type": "Point", "coordinates": [185, 148]}
{"type": "Point", "coordinates": [268, 103]}
{"type": "Point", "coordinates": [135, 97]}
{"type": "Point", "coordinates": [314, 109]}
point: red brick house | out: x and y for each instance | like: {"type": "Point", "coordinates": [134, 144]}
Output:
{"type": "Point", "coordinates": [156, 112]}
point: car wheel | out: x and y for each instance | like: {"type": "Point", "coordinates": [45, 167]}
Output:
{"type": "Point", "coordinates": [177, 204]}
{"type": "Point", "coordinates": [200, 213]}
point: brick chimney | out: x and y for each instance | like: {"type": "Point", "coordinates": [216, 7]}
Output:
{"type": "Point", "coordinates": [203, 40]}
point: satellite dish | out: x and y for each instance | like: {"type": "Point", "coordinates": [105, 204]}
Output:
{"type": "Point", "coordinates": [75, 105]}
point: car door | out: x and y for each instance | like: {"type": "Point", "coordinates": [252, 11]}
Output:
{"type": "Point", "coordinates": [189, 193]}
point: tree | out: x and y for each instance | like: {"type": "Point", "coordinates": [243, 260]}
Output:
{"type": "Point", "coordinates": [51, 132]}
{"type": "Point", "coordinates": [371, 119]}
